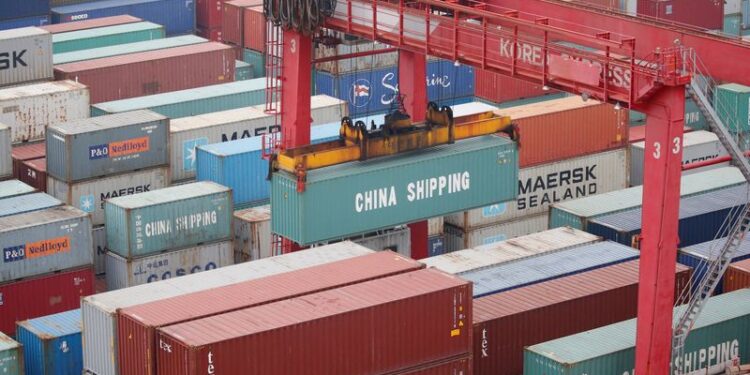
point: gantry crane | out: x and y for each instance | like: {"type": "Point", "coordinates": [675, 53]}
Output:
{"type": "Point", "coordinates": [638, 64]}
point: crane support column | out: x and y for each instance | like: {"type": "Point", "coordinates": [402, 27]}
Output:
{"type": "Point", "coordinates": [661, 201]}
{"type": "Point", "coordinates": [295, 89]}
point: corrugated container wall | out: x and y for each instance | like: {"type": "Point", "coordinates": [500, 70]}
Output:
{"type": "Point", "coordinates": [17, 23]}
{"type": "Point", "coordinates": [458, 239]}
{"type": "Point", "coordinates": [43, 295]}
{"type": "Point", "coordinates": [26, 151]}
{"type": "Point", "coordinates": [12, 188]}
{"type": "Point", "coordinates": [208, 13]}
{"type": "Point", "coordinates": [177, 16]}
{"type": "Point", "coordinates": [152, 72]}
{"type": "Point", "coordinates": [698, 256]}
{"type": "Point", "coordinates": [29, 110]}
{"type": "Point", "coordinates": [737, 276]}
{"type": "Point", "coordinates": [23, 8]}
{"type": "Point", "coordinates": [89, 23]}
{"type": "Point", "coordinates": [369, 323]}
{"type": "Point", "coordinates": [27, 203]}
{"type": "Point", "coordinates": [106, 36]}
{"type": "Point", "coordinates": [170, 218]}
{"type": "Point", "coordinates": [397, 240]}
{"type": "Point", "coordinates": [436, 245]}
{"type": "Point", "coordinates": [124, 49]}
{"type": "Point", "coordinates": [233, 20]}
{"type": "Point", "coordinates": [99, 235]}
{"type": "Point", "coordinates": [6, 160]}
{"type": "Point", "coordinates": [52, 344]}
{"type": "Point", "coordinates": [29, 52]}
{"type": "Point", "coordinates": [432, 182]}
{"type": "Point", "coordinates": [252, 234]}
{"type": "Point", "coordinates": [254, 33]}
{"type": "Point", "coordinates": [44, 241]}
{"type": "Point", "coordinates": [732, 102]}
{"type": "Point", "coordinates": [242, 71]}
{"type": "Point", "coordinates": [34, 173]}
{"type": "Point", "coordinates": [703, 14]}
{"type": "Point", "coordinates": [461, 366]}
{"type": "Point", "coordinates": [106, 145]}
{"type": "Point", "coordinates": [11, 356]}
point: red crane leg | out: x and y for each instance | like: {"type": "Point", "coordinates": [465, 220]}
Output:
{"type": "Point", "coordinates": [295, 90]}
{"type": "Point", "coordinates": [661, 201]}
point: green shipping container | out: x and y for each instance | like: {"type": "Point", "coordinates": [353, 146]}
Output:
{"type": "Point", "coordinates": [124, 49]}
{"type": "Point", "coordinates": [106, 36]}
{"type": "Point", "coordinates": [192, 102]}
{"type": "Point", "coordinates": [721, 334]}
{"type": "Point", "coordinates": [577, 213]}
{"type": "Point", "coordinates": [11, 356]}
{"type": "Point", "coordinates": [733, 24]}
{"type": "Point", "coordinates": [243, 71]}
{"type": "Point", "coordinates": [257, 60]}
{"type": "Point", "coordinates": [359, 197]}
{"type": "Point", "coordinates": [731, 102]}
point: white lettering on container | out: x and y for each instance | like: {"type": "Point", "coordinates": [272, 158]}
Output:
{"type": "Point", "coordinates": [182, 223]}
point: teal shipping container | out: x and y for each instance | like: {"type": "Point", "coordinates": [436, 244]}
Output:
{"type": "Point", "coordinates": [167, 219]}
{"type": "Point", "coordinates": [12, 188]}
{"type": "Point", "coordinates": [731, 102]}
{"type": "Point", "coordinates": [733, 24]}
{"type": "Point", "coordinates": [192, 102]}
{"type": "Point", "coordinates": [257, 60]}
{"type": "Point", "coordinates": [124, 49]}
{"type": "Point", "coordinates": [577, 213]}
{"type": "Point", "coordinates": [52, 344]}
{"type": "Point", "coordinates": [27, 203]}
{"type": "Point", "coordinates": [721, 334]}
{"type": "Point", "coordinates": [358, 197]}
{"type": "Point", "coordinates": [11, 356]}
{"type": "Point", "coordinates": [242, 71]}
{"type": "Point", "coordinates": [106, 36]}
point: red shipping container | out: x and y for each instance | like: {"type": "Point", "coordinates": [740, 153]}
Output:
{"type": "Point", "coordinates": [737, 276]}
{"type": "Point", "coordinates": [254, 29]}
{"type": "Point", "coordinates": [566, 128]}
{"type": "Point", "coordinates": [213, 35]}
{"type": "Point", "coordinates": [137, 325]}
{"type": "Point", "coordinates": [233, 20]}
{"type": "Point", "coordinates": [505, 323]}
{"type": "Point", "coordinates": [376, 327]}
{"type": "Point", "coordinates": [705, 14]}
{"type": "Point", "coordinates": [26, 152]}
{"type": "Point", "coordinates": [499, 88]}
{"type": "Point", "coordinates": [43, 295]}
{"type": "Point", "coordinates": [152, 72]}
{"type": "Point", "coordinates": [460, 366]}
{"type": "Point", "coordinates": [34, 173]}
{"type": "Point", "coordinates": [90, 24]}
{"type": "Point", "coordinates": [208, 13]}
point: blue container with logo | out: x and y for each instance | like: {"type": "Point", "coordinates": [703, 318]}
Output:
{"type": "Point", "coordinates": [24, 22]}
{"type": "Point", "coordinates": [52, 344]}
{"type": "Point", "coordinates": [177, 16]}
{"type": "Point", "coordinates": [436, 245]}
{"type": "Point", "coordinates": [697, 257]}
{"type": "Point", "coordinates": [369, 92]}
{"type": "Point", "coordinates": [15, 9]}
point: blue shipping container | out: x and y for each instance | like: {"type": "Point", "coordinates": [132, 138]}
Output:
{"type": "Point", "coordinates": [701, 217]}
{"type": "Point", "coordinates": [697, 256]}
{"type": "Point", "coordinates": [27, 203]}
{"type": "Point", "coordinates": [52, 344]}
{"type": "Point", "coordinates": [436, 245]}
{"type": "Point", "coordinates": [14, 9]}
{"type": "Point", "coordinates": [375, 91]}
{"type": "Point", "coordinates": [24, 22]}
{"type": "Point", "coordinates": [177, 16]}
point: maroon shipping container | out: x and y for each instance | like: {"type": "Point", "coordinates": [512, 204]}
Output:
{"type": "Point", "coordinates": [152, 72]}
{"type": "Point", "coordinates": [461, 366]}
{"type": "Point", "coordinates": [137, 325]}
{"type": "Point", "coordinates": [376, 327]}
{"type": "Point", "coordinates": [505, 323]}
{"type": "Point", "coordinates": [208, 13]}
{"type": "Point", "coordinates": [499, 88]}
{"type": "Point", "coordinates": [737, 276]}
{"type": "Point", "coordinates": [704, 14]}
{"type": "Point", "coordinates": [90, 24]}
{"type": "Point", "coordinates": [233, 20]}
{"type": "Point", "coordinates": [213, 35]}
{"type": "Point", "coordinates": [26, 152]}
{"type": "Point", "coordinates": [34, 173]}
{"type": "Point", "coordinates": [255, 29]}
{"type": "Point", "coordinates": [43, 295]}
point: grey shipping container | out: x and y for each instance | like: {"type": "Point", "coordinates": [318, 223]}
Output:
{"type": "Point", "coordinates": [27, 203]}
{"type": "Point", "coordinates": [124, 273]}
{"type": "Point", "coordinates": [397, 240]}
{"type": "Point", "coordinates": [27, 55]}
{"type": "Point", "coordinates": [90, 195]}
{"type": "Point", "coordinates": [252, 234]}
{"type": "Point", "coordinates": [99, 235]}
{"type": "Point", "coordinates": [6, 162]}
{"type": "Point", "coordinates": [107, 145]}
{"type": "Point", "coordinates": [171, 218]}
{"type": "Point", "coordinates": [458, 239]}
{"type": "Point", "coordinates": [40, 242]}
{"type": "Point", "coordinates": [13, 188]}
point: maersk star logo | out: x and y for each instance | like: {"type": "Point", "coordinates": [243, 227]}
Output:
{"type": "Point", "coordinates": [188, 152]}
{"type": "Point", "coordinates": [494, 210]}
{"type": "Point", "coordinates": [87, 203]}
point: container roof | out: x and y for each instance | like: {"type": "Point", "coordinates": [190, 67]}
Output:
{"type": "Point", "coordinates": [123, 49]}
{"type": "Point", "coordinates": [104, 31]}
{"type": "Point", "coordinates": [169, 194]}
{"type": "Point", "coordinates": [56, 325]}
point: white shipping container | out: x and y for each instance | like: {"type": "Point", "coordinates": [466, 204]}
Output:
{"type": "Point", "coordinates": [100, 249]}
{"type": "Point", "coordinates": [6, 161]}
{"type": "Point", "coordinates": [99, 335]}
{"type": "Point", "coordinates": [252, 234]}
{"type": "Point", "coordinates": [732, 6]}
{"type": "Point", "coordinates": [435, 225]}
{"type": "Point", "coordinates": [458, 239]}
{"type": "Point", "coordinates": [29, 109]}
{"type": "Point", "coordinates": [124, 273]}
{"type": "Point", "coordinates": [540, 186]}
{"type": "Point", "coordinates": [90, 195]}
{"type": "Point", "coordinates": [26, 55]}
{"type": "Point", "coordinates": [697, 146]}
{"type": "Point", "coordinates": [397, 240]}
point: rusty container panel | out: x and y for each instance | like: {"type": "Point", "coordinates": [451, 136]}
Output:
{"type": "Point", "coordinates": [507, 322]}
{"type": "Point", "coordinates": [138, 325]}
{"type": "Point", "coordinates": [34, 173]}
{"type": "Point", "coordinates": [737, 276]}
{"type": "Point", "coordinates": [461, 366]}
{"type": "Point", "coordinates": [254, 29]}
{"type": "Point", "coordinates": [25, 152]}
{"type": "Point", "coordinates": [233, 20]}
{"type": "Point", "coordinates": [152, 72]}
{"type": "Point", "coordinates": [90, 24]}
{"type": "Point", "coordinates": [375, 319]}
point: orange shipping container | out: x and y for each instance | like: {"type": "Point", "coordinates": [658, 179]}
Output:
{"type": "Point", "coordinates": [737, 276]}
{"type": "Point", "coordinates": [565, 128]}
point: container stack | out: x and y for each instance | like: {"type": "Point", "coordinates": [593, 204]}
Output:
{"type": "Point", "coordinates": [6, 157]}
{"type": "Point", "coordinates": [105, 36]}
{"type": "Point", "coordinates": [11, 356]}
{"type": "Point", "coordinates": [52, 344]}
{"type": "Point", "coordinates": [23, 13]}
{"type": "Point", "coordinates": [243, 26]}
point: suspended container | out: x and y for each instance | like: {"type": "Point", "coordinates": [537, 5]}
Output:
{"type": "Point", "coordinates": [52, 344]}
{"type": "Point", "coordinates": [11, 356]}
{"type": "Point", "coordinates": [124, 49]}
{"type": "Point", "coordinates": [29, 54]}
{"type": "Point", "coordinates": [106, 36]}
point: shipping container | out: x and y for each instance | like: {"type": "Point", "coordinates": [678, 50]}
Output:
{"type": "Point", "coordinates": [371, 324]}
{"type": "Point", "coordinates": [542, 185]}
{"type": "Point", "coordinates": [233, 20]}
{"type": "Point", "coordinates": [461, 366]}
{"type": "Point", "coordinates": [720, 335]}
{"type": "Point", "coordinates": [43, 295]}
{"type": "Point", "coordinates": [125, 273]}
{"type": "Point", "coordinates": [213, 35]}
{"type": "Point", "coordinates": [258, 61]}
{"type": "Point", "coordinates": [99, 235]}
{"type": "Point", "coordinates": [698, 257]}
{"type": "Point", "coordinates": [703, 14]}
{"type": "Point", "coordinates": [31, 51]}
{"type": "Point", "coordinates": [471, 173]}
{"type": "Point", "coordinates": [26, 151]}
{"type": "Point", "coordinates": [100, 352]}
{"type": "Point", "coordinates": [737, 276]}
{"type": "Point", "coordinates": [106, 36]}
{"type": "Point", "coordinates": [702, 218]}
{"type": "Point", "coordinates": [252, 234]}
{"type": "Point", "coordinates": [106, 145]}
{"type": "Point", "coordinates": [11, 356]}
{"type": "Point", "coordinates": [505, 323]}
{"type": "Point", "coordinates": [192, 102]}
{"type": "Point", "coordinates": [13, 188]}
{"type": "Point", "coordinates": [577, 213]}
{"type": "Point", "coordinates": [89, 23]}
{"type": "Point", "coordinates": [138, 324]}
{"type": "Point", "coordinates": [124, 49]}
{"type": "Point", "coordinates": [170, 218]}
{"type": "Point", "coordinates": [499, 88]}
{"type": "Point", "coordinates": [397, 240]}
{"type": "Point", "coordinates": [352, 65]}
{"type": "Point", "coordinates": [458, 239]}
{"type": "Point", "coordinates": [30, 109]}
{"type": "Point", "coordinates": [34, 173]}
{"type": "Point", "coordinates": [152, 72]}
{"type": "Point", "coordinates": [732, 103]}
{"type": "Point", "coordinates": [697, 146]}
{"type": "Point", "coordinates": [52, 344]}
{"type": "Point", "coordinates": [733, 6]}
{"type": "Point", "coordinates": [435, 225]}
{"type": "Point", "coordinates": [27, 203]}
{"type": "Point", "coordinates": [549, 266]}
{"type": "Point", "coordinates": [242, 71]}
{"type": "Point", "coordinates": [17, 23]}
{"type": "Point", "coordinates": [6, 159]}
{"type": "Point", "coordinates": [208, 13]}
{"type": "Point", "coordinates": [90, 195]}
{"type": "Point", "coordinates": [436, 245]}
{"type": "Point", "coordinates": [44, 241]}
{"type": "Point", "coordinates": [254, 29]}
{"type": "Point", "coordinates": [177, 16]}
{"type": "Point", "coordinates": [23, 8]}
{"type": "Point", "coordinates": [732, 24]}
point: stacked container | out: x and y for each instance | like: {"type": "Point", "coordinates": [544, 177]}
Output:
{"type": "Point", "coordinates": [26, 152]}
{"type": "Point", "coordinates": [252, 234]}
{"type": "Point", "coordinates": [700, 255]}
{"type": "Point", "coordinates": [397, 240]}
{"type": "Point", "coordinates": [208, 16]}
{"type": "Point", "coordinates": [233, 22]}
{"type": "Point", "coordinates": [13, 188]}
{"type": "Point", "coordinates": [34, 173]}
{"type": "Point", "coordinates": [29, 52]}
{"type": "Point", "coordinates": [124, 49]}
{"type": "Point", "coordinates": [6, 158]}
{"type": "Point", "coordinates": [105, 36]}
{"type": "Point", "coordinates": [52, 344]}
{"type": "Point", "coordinates": [11, 356]}
{"type": "Point", "coordinates": [87, 24]}
{"type": "Point", "coordinates": [737, 276]}
{"type": "Point", "coordinates": [732, 103]}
